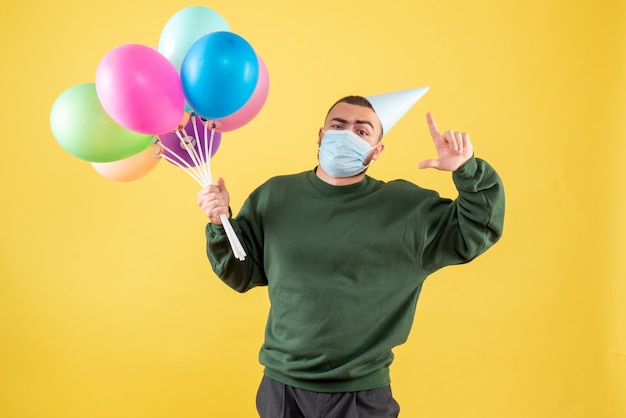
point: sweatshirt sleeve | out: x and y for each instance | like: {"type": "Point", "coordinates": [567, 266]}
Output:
{"type": "Point", "coordinates": [239, 275]}
{"type": "Point", "coordinates": [465, 227]}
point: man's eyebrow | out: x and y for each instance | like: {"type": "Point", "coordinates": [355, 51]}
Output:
{"type": "Point", "coordinates": [339, 120]}
{"type": "Point", "coordinates": [365, 122]}
{"type": "Point", "coordinates": [358, 122]}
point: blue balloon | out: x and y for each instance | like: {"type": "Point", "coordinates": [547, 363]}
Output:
{"type": "Point", "coordinates": [219, 74]}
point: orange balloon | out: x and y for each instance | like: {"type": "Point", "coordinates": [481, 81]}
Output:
{"type": "Point", "coordinates": [131, 168]}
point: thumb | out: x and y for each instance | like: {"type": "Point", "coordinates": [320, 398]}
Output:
{"type": "Point", "coordinates": [223, 190]}
{"type": "Point", "coordinates": [429, 164]}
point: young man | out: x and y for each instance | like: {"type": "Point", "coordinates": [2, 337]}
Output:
{"type": "Point", "coordinates": [344, 257]}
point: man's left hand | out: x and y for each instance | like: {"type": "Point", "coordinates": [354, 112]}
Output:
{"type": "Point", "coordinates": [453, 148]}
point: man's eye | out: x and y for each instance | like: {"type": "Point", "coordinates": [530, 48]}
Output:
{"type": "Point", "coordinates": [362, 132]}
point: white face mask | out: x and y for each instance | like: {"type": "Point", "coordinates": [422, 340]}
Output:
{"type": "Point", "coordinates": [342, 153]}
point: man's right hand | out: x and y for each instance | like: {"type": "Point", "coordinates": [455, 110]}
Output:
{"type": "Point", "coordinates": [214, 201]}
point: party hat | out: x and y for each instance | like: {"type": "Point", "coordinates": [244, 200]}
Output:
{"type": "Point", "coordinates": [390, 107]}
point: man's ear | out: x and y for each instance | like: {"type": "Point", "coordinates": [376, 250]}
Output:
{"type": "Point", "coordinates": [320, 135]}
{"type": "Point", "coordinates": [378, 151]}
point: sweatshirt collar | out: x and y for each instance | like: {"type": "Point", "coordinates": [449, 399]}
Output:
{"type": "Point", "coordinates": [331, 190]}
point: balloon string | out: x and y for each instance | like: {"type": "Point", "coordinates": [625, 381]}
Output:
{"type": "Point", "coordinates": [191, 150]}
{"type": "Point", "coordinates": [207, 151]}
{"type": "Point", "coordinates": [175, 155]}
{"type": "Point", "coordinates": [235, 244]}
{"type": "Point", "coordinates": [238, 250]}
{"type": "Point", "coordinates": [188, 171]}
{"type": "Point", "coordinates": [204, 179]}
{"type": "Point", "coordinates": [185, 165]}
{"type": "Point", "coordinates": [210, 152]}
{"type": "Point", "coordinates": [203, 157]}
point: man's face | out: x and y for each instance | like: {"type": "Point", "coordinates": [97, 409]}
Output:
{"type": "Point", "coordinates": [361, 120]}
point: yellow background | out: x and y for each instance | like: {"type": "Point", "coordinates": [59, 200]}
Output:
{"type": "Point", "coordinates": [108, 307]}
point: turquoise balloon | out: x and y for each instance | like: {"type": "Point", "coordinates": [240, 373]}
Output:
{"type": "Point", "coordinates": [83, 128]}
{"type": "Point", "coordinates": [186, 27]}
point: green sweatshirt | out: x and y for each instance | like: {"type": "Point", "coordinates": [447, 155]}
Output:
{"type": "Point", "coordinates": [345, 265]}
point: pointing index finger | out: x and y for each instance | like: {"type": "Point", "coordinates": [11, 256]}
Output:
{"type": "Point", "coordinates": [432, 126]}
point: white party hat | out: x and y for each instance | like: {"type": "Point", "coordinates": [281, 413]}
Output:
{"type": "Point", "coordinates": [390, 107]}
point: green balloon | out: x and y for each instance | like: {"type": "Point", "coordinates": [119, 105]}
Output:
{"type": "Point", "coordinates": [84, 129]}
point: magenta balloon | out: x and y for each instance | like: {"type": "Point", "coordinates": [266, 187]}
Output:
{"type": "Point", "coordinates": [173, 145]}
{"type": "Point", "coordinates": [140, 89]}
{"type": "Point", "coordinates": [253, 105]}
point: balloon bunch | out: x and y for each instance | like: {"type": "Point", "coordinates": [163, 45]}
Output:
{"type": "Point", "coordinates": [173, 102]}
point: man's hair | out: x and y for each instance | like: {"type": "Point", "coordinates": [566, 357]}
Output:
{"type": "Point", "coordinates": [353, 100]}
{"type": "Point", "coordinates": [358, 101]}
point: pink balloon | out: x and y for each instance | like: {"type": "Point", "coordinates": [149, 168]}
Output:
{"type": "Point", "coordinates": [253, 105]}
{"type": "Point", "coordinates": [140, 89]}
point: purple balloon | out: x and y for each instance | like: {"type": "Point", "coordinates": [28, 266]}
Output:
{"type": "Point", "coordinates": [175, 149]}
